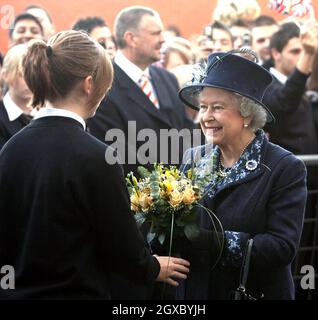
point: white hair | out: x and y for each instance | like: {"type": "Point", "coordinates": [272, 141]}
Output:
{"type": "Point", "coordinates": [250, 108]}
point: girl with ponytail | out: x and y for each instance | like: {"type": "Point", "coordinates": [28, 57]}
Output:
{"type": "Point", "coordinates": [65, 213]}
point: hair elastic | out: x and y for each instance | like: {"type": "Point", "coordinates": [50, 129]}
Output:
{"type": "Point", "coordinates": [49, 51]}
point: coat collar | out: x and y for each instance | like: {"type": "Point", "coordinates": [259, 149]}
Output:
{"type": "Point", "coordinates": [133, 92]}
{"type": "Point", "coordinates": [248, 167]}
{"type": "Point", "coordinates": [11, 127]}
{"type": "Point", "coordinates": [131, 70]}
{"type": "Point", "coordinates": [56, 112]}
{"type": "Point", "coordinates": [13, 110]}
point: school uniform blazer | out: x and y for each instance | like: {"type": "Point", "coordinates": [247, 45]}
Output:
{"type": "Point", "coordinates": [9, 128]}
{"type": "Point", "coordinates": [65, 215]}
{"type": "Point", "coordinates": [127, 102]}
{"type": "Point", "coordinates": [268, 206]}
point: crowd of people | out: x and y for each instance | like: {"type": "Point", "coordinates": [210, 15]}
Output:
{"type": "Point", "coordinates": [66, 223]}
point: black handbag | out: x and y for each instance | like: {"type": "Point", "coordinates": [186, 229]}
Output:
{"type": "Point", "coordinates": [240, 293]}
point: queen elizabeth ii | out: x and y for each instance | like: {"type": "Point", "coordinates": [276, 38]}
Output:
{"type": "Point", "coordinates": [259, 192]}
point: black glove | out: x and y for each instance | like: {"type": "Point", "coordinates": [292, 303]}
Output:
{"type": "Point", "coordinates": [205, 250]}
{"type": "Point", "coordinates": [208, 240]}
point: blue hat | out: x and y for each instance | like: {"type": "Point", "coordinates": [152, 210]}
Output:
{"type": "Point", "coordinates": [231, 72]}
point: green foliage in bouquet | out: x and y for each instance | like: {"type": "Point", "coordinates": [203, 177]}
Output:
{"type": "Point", "coordinates": [167, 199]}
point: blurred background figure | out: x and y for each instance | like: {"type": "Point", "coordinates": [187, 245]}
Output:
{"type": "Point", "coordinates": [312, 93]}
{"type": "Point", "coordinates": [228, 11]}
{"type": "Point", "coordinates": [1, 59]}
{"type": "Point", "coordinates": [215, 37]}
{"type": "Point", "coordinates": [293, 54]}
{"type": "Point", "coordinates": [184, 74]}
{"type": "Point", "coordinates": [241, 33]}
{"type": "Point", "coordinates": [97, 28]}
{"type": "Point", "coordinates": [220, 35]}
{"type": "Point", "coordinates": [45, 19]}
{"type": "Point", "coordinates": [171, 32]}
{"type": "Point", "coordinates": [15, 106]}
{"type": "Point", "coordinates": [262, 30]}
{"type": "Point", "coordinates": [204, 45]}
{"type": "Point", "coordinates": [1, 81]}
{"type": "Point", "coordinates": [178, 51]}
{"type": "Point", "coordinates": [24, 28]}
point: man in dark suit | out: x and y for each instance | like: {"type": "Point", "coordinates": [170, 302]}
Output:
{"type": "Point", "coordinates": [130, 107]}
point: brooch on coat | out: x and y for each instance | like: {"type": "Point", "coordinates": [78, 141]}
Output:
{"type": "Point", "coordinates": [251, 165]}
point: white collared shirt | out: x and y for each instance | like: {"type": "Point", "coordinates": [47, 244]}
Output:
{"type": "Point", "coordinates": [278, 75]}
{"type": "Point", "coordinates": [132, 71]}
{"type": "Point", "coordinates": [55, 112]}
{"type": "Point", "coordinates": [13, 110]}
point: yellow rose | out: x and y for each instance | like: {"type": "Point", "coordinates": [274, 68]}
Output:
{"type": "Point", "coordinates": [145, 202]}
{"type": "Point", "coordinates": [168, 186]}
{"type": "Point", "coordinates": [175, 198]}
{"type": "Point", "coordinates": [188, 196]}
{"type": "Point", "coordinates": [147, 190]}
{"type": "Point", "coordinates": [162, 193]}
{"type": "Point", "coordinates": [134, 202]}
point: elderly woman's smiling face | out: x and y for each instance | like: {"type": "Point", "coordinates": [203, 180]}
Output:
{"type": "Point", "coordinates": [220, 118]}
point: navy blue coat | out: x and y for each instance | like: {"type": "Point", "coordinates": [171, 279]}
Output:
{"type": "Point", "coordinates": [266, 205]}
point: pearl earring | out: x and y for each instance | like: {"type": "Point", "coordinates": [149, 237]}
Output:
{"type": "Point", "coordinates": [245, 125]}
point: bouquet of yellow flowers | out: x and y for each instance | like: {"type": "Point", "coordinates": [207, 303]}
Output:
{"type": "Point", "coordinates": [167, 199]}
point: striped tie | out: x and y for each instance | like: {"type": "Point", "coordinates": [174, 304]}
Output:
{"type": "Point", "coordinates": [146, 87]}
